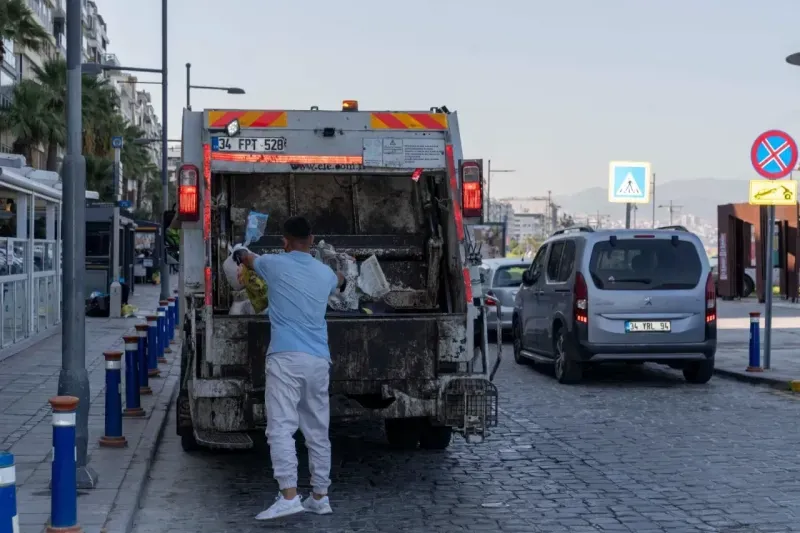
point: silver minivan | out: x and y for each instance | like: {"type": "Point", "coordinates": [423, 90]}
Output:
{"type": "Point", "coordinates": [501, 279]}
{"type": "Point", "coordinates": [627, 295]}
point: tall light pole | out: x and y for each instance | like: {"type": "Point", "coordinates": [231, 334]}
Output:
{"type": "Point", "coordinates": [672, 209]}
{"type": "Point", "coordinates": [73, 380]}
{"type": "Point", "coordinates": [489, 188]}
{"type": "Point", "coordinates": [189, 87]}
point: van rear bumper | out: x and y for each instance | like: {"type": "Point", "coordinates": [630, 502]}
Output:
{"type": "Point", "coordinates": [699, 351]}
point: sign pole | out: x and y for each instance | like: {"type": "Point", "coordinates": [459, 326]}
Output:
{"type": "Point", "coordinates": [774, 155]}
{"type": "Point", "coordinates": [768, 288]}
{"type": "Point", "coordinates": [628, 215]}
{"type": "Point", "coordinates": [115, 290]}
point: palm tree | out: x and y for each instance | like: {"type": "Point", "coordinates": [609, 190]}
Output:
{"type": "Point", "coordinates": [53, 77]}
{"type": "Point", "coordinates": [30, 119]}
{"type": "Point", "coordinates": [18, 24]}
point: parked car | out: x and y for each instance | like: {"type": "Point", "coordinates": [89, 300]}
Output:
{"type": "Point", "coordinates": [501, 279]}
{"type": "Point", "coordinates": [749, 278]}
{"type": "Point", "coordinates": [618, 295]}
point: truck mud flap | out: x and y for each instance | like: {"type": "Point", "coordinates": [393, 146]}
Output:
{"type": "Point", "coordinates": [470, 407]}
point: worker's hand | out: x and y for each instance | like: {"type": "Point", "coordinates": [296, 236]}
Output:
{"type": "Point", "coordinates": [239, 253]}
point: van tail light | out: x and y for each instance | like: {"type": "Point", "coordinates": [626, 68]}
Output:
{"type": "Point", "coordinates": [189, 192]}
{"type": "Point", "coordinates": [581, 299]}
{"type": "Point", "coordinates": [491, 300]}
{"type": "Point", "coordinates": [711, 299]}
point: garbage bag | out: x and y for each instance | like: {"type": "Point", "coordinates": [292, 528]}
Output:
{"type": "Point", "coordinates": [231, 270]}
{"type": "Point", "coordinates": [255, 288]}
{"type": "Point", "coordinates": [372, 280]}
{"type": "Point", "coordinates": [242, 307]}
{"type": "Point", "coordinates": [256, 226]}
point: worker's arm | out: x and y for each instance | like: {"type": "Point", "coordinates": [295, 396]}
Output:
{"type": "Point", "coordinates": [245, 257]}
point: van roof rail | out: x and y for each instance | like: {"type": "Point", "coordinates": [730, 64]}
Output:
{"type": "Point", "coordinates": [676, 228]}
{"type": "Point", "coordinates": [573, 229]}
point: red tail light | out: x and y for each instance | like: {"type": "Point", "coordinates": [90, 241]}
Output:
{"type": "Point", "coordinates": [711, 299]}
{"type": "Point", "coordinates": [491, 300]}
{"type": "Point", "coordinates": [471, 189]}
{"type": "Point", "coordinates": [189, 192]}
{"type": "Point", "coordinates": [581, 299]}
{"type": "Point", "coordinates": [467, 285]}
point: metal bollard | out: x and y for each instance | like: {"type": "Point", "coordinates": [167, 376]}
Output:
{"type": "Point", "coordinates": [133, 402]}
{"type": "Point", "coordinates": [141, 358]}
{"type": "Point", "coordinates": [64, 484]}
{"type": "Point", "coordinates": [172, 319]}
{"type": "Point", "coordinates": [152, 346]}
{"type": "Point", "coordinates": [754, 365]}
{"type": "Point", "coordinates": [162, 333]}
{"type": "Point", "coordinates": [9, 522]}
{"type": "Point", "coordinates": [112, 438]}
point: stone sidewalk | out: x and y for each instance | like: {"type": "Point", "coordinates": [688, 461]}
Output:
{"type": "Point", "coordinates": [29, 378]}
{"type": "Point", "coordinates": [733, 343]}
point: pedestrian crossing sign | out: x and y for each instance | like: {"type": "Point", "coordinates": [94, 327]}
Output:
{"type": "Point", "coordinates": [629, 182]}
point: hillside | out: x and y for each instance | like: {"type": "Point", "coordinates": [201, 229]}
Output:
{"type": "Point", "coordinates": [698, 197]}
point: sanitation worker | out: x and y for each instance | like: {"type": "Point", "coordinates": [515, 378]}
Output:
{"type": "Point", "coordinates": [298, 365]}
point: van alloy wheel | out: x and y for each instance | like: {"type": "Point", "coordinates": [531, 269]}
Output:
{"type": "Point", "coordinates": [566, 369]}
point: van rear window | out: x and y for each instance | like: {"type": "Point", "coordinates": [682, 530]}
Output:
{"type": "Point", "coordinates": [509, 276]}
{"type": "Point", "coordinates": [645, 264]}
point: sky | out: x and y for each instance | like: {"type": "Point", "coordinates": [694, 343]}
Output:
{"type": "Point", "coordinates": [553, 90]}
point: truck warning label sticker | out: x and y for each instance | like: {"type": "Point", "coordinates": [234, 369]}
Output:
{"type": "Point", "coordinates": [404, 153]}
{"type": "Point", "coordinates": [323, 167]}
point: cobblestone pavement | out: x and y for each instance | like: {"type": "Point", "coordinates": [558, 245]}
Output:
{"type": "Point", "coordinates": [633, 449]}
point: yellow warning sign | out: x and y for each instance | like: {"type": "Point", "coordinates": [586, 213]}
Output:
{"type": "Point", "coordinates": [773, 192]}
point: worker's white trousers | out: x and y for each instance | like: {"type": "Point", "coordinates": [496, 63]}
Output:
{"type": "Point", "coordinates": [297, 396]}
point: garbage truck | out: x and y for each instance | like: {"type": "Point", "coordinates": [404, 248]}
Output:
{"type": "Point", "coordinates": [387, 184]}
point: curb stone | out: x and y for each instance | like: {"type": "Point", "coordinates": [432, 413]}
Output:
{"type": "Point", "coordinates": [123, 510]}
{"type": "Point", "coordinates": [755, 378]}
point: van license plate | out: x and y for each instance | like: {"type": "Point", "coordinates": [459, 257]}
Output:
{"type": "Point", "coordinates": [648, 327]}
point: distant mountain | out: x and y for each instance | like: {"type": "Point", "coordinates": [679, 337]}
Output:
{"type": "Point", "coordinates": [698, 197]}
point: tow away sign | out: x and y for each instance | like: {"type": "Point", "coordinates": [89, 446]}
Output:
{"type": "Point", "coordinates": [765, 192]}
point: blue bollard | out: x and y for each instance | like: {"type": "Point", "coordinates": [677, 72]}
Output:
{"type": "Point", "coordinates": [162, 334]}
{"type": "Point", "coordinates": [141, 360]}
{"type": "Point", "coordinates": [113, 433]}
{"type": "Point", "coordinates": [172, 321]}
{"type": "Point", "coordinates": [9, 522]}
{"type": "Point", "coordinates": [64, 484]}
{"type": "Point", "coordinates": [152, 346]}
{"type": "Point", "coordinates": [133, 402]}
{"type": "Point", "coordinates": [754, 365]}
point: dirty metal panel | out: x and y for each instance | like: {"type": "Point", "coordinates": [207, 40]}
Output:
{"type": "Point", "coordinates": [388, 205]}
{"type": "Point", "coordinates": [326, 201]}
{"type": "Point", "coordinates": [230, 337]}
{"type": "Point", "coordinates": [265, 193]}
{"type": "Point", "coordinates": [365, 348]}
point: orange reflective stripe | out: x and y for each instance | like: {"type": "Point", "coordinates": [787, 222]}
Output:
{"type": "Point", "coordinates": [248, 119]}
{"type": "Point", "coordinates": [239, 157]}
{"type": "Point", "coordinates": [408, 121]}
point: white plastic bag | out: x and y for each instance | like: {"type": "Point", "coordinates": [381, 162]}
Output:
{"type": "Point", "coordinates": [231, 270]}
{"type": "Point", "coordinates": [372, 280]}
{"type": "Point", "coordinates": [242, 307]}
{"type": "Point", "coordinates": [256, 226]}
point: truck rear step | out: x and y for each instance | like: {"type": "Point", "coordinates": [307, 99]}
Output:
{"type": "Point", "coordinates": [220, 440]}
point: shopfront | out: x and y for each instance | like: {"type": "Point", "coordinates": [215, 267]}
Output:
{"type": "Point", "coordinates": [30, 259]}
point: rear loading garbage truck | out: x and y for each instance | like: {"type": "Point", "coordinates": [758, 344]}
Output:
{"type": "Point", "coordinates": [387, 184]}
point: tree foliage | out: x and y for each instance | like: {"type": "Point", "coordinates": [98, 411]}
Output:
{"type": "Point", "coordinates": [37, 117]}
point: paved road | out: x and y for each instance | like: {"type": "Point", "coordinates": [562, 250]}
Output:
{"type": "Point", "coordinates": [630, 450]}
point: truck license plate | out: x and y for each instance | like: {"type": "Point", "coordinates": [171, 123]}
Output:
{"type": "Point", "coordinates": [648, 327]}
{"type": "Point", "coordinates": [259, 145]}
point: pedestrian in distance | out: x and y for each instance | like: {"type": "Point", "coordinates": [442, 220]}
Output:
{"type": "Point", "coordinates": [297, 366]}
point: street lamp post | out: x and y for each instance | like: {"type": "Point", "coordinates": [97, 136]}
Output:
{"type": "Point", "coordinates": [489, 188]}
{"type": "Point", "coordinates": [189, 87]}
{"type": "Point", "coordinates": [73, 380]}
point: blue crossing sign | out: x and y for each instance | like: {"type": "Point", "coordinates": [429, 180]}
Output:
{"type": "Point", "coordinates": [116, 142]}
{"type": "Point", "coordinates": [629, 182]}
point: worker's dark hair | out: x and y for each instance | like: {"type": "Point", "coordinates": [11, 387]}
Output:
{"type": "Point", "coordinates": [296, 228]}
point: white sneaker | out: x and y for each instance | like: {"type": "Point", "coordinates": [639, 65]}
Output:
{"type": "Point", "coordinates": [321, 506]}
{"type": "Point", "coordinates": [282, 507]}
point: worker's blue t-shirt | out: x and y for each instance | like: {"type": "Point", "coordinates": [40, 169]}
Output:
{"type": "Point", "coordinates": [299, 287]}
